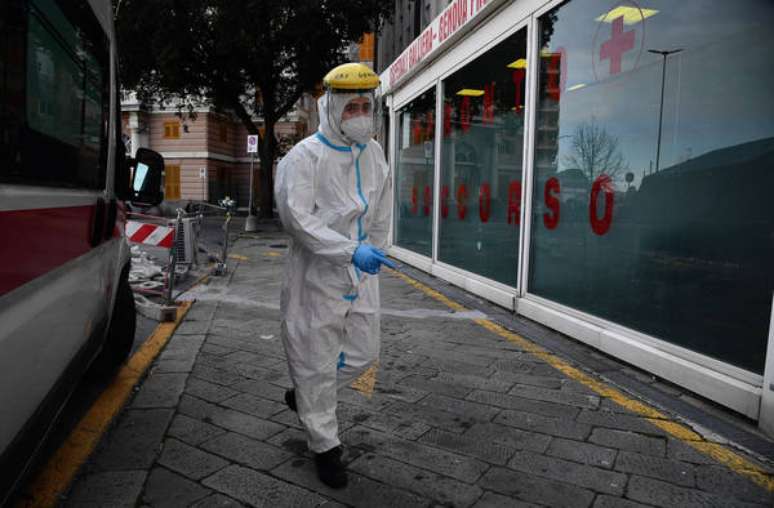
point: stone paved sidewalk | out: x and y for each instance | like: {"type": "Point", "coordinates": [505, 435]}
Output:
{"type": "Point", "coordinates": [459, 417]}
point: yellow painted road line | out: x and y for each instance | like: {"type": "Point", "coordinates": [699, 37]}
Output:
{"type": "Point", "coordinates": [239, 257]}
{"type": "Point", "coordinates": [54, 479]}
{"type": "Point", "coordinates": [720, 453]}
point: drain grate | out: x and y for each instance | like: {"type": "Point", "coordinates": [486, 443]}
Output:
{"type": "Point", "coordinates": [278, 246]}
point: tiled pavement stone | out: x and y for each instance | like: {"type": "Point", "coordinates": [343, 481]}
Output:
{"type": "Point", "coordinates": [544, 425]}
{"type": "Point", "coordinates": [160, 390]}
{"type": "Point", "coordinates": [208, 391]}
{"type": "Point", "coordinates": [420, 481]}
{"type": "Point", "coordinates": [135, 442]}
{"type": "Point", "coordinates": [429, 385]}
{"type": "Point", "coordinates": [618, 421]}
{"type": "Point", "coordinates": [585, 453]}
{"type": "Point", "coordinates": [492, 500]}
{"type": "Point", "coordinates": [431, 416]}
{"type": "Point", "coordinates": [291, 440]}
{"type": "Point", "coordinates": [474, 410]}
{"type": "Point", "coordinates": [258, 489]}
{"type": "Point", "coordinates": [173, 366]}
{"type": "Point", "coordinates": [659, 493]}
{"type": "Point", "coordinates": [397, 391]}
{"type": "Point", "coordinates": [397, 425]}
{"type": "Point", "coordinates": [532, 380]}
{"type": "Point", "coordinates": [671, 471]}
{"type": "Point", "coordinates": [604, 501]}
{"type": "Point", "coordinates": [166, 489]}
{"type": "Point", "coordinates": [537, 407]}
{"type": "Point", "coordinates": [360, 491]}
{"type": "Point", "coordinates": [253, 405]}
{"type": "Point", "coordinates": [218, 501]}
{"type": "Point", "coordinates": [558, 396]}
{"type": "Point", "coordinates": [508, 437]}
{"type": "Point", "coordinates": [493, 452]}
{"type": "Point", "coordinates": [288, 418]}
{"type": "Point", "coordinates": [526, 364]}
{"type": "Point", "coordinates": [599, 480]}
{"type": "Point", "coordinates": [459, 417]}
{"type": "Point", "coordinates": [192, 431]}
{"type": "Point", "coordinates": [214, 349]}
{"type": "Point", "coordinates": [630, 441]}
{"type": "Point", "coordinates": [260, 389]}
{"type": "Point", "coordinates": [117, 489]}
{"type": "Point", "coordinates": [214, 375]}
{"type": "Point", "coordinates": [229, 419]}
{"type": "Point", "coordinates": [189, 461]}
{"type": "Point", "coordinates": [192, 328]}
{"type": "Point", "coordinates": [535, 489]}
{"type": "Point", "coordinates": [473, 382]}
{"type": "Point", "coordinates": [717, 480]}
{"type": "Point", "coordinates": [252, 453]}
{"type": "Point", "coordinates": [427, 457]}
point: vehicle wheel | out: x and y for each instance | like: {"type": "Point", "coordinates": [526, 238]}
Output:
{"type": "Point", "coordinates": [120, 336]}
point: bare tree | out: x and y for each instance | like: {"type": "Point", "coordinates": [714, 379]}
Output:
{"type": "Point", "coordinates": [595, 152]}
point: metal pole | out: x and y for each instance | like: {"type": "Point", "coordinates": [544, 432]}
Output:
{"type": "Point", "coordinates": [173, 258]}
{"type": "Point", "coordinates": [251, 224]}
{"type": "Point", "coordinates": [664, 55]}
{"type": "Point", "coordinates": [660, 111]}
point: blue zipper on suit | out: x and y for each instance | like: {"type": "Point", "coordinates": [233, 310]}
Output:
{"type": "Point", "coordinates": [360, 235]}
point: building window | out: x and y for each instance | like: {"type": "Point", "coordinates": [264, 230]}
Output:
{"type": "Point", "coordinates": [172, 130]}
{"type": "Point", "coordinates": [366, 48]}
{"type": "Point", "coordinates": [414, 175]}
{"type": "Point", "coordinates": [171, 182]}
{"type": "Point", "coordinates": [654, 150]}
{"type": "Point", "coordinates": [481, 162]}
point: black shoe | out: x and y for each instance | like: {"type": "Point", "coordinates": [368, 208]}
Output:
{"type": "Point", "coordinates": [330, 469]}
{"type": "Point", "coordinates": [290, 399]}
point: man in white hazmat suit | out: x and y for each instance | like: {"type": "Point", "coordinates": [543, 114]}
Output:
{"type": "Point", "coordinates": [334, 196]}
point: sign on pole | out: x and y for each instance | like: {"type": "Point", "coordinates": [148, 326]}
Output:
{"type": "Point", "coordinates": [252, 143]}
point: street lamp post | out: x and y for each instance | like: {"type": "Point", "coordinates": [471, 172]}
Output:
{"type": "Point", "coordinates": [664, 54]}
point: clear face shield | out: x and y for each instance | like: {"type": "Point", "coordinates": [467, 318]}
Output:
{"type": "Point", "coordinates": [354, 114]}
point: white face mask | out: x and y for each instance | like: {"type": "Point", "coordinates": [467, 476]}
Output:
{"type": "Point", "coordinates": [359, 129]}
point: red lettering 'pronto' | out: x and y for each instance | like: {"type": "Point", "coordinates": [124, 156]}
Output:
{"type": "Point", "coordinates": [602, 183]}
{"type": "Point", "coordinates": [551, 220]}
{"type": "Point", "coordinates": [465, 114]}
{"type": "Point", "coordinates": [445, 201]}
{"type": "Point", "coordinates": [514, 202]}
{"type": "Point", "coordinates": [484, 202]}
{"type": "Point", "coordinates": [427, 199]}
{"type": "Point", "coordinates": [414, 201]}
{"type": "Point", "coordinates": [462, 201]}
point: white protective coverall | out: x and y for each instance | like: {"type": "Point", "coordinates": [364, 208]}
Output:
{"type": "Point", "coordinates": [332, 195]}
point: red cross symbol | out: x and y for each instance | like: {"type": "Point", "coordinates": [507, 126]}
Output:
{"type": "Point", "coordinates": [620, 42]}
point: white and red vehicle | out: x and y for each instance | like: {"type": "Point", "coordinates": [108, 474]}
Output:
{"type": "Point", "coordinates": [65, 301]}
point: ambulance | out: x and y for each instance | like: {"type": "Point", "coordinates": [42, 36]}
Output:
{"type": "Point", "coordinates": [65, 300]}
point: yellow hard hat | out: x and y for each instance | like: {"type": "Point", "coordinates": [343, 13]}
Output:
{"type": "Point", "coordinates": [351, 76]}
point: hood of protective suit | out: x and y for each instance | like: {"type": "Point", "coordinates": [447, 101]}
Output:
{"type": "Point", "coordinates": [330, 108]}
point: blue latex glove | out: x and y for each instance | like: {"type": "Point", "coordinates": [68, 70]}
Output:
{"type": "Point", "coordinates": [370, 259]}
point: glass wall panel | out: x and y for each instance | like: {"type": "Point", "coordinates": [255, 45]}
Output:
{"type": "Point", "coordinates": [481, 162]}
{"type": "Point", "coordinates": [654, 164]}
{"type": "Point", "coordinates": [414, 175]}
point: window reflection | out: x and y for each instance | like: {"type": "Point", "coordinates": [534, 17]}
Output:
{"type": "Point", "coordinates": [481, 162]}
{"type": "Point", "coordinates": [414, 175]}
{"type": "Point", "coordinates": [653, 163]}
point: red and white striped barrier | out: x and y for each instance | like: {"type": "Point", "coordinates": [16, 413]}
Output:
{"type": "Point", "coordinates": [150, 234]}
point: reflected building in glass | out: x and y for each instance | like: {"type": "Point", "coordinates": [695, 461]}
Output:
{"type": "Point", "coordinates": [607, 166]}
